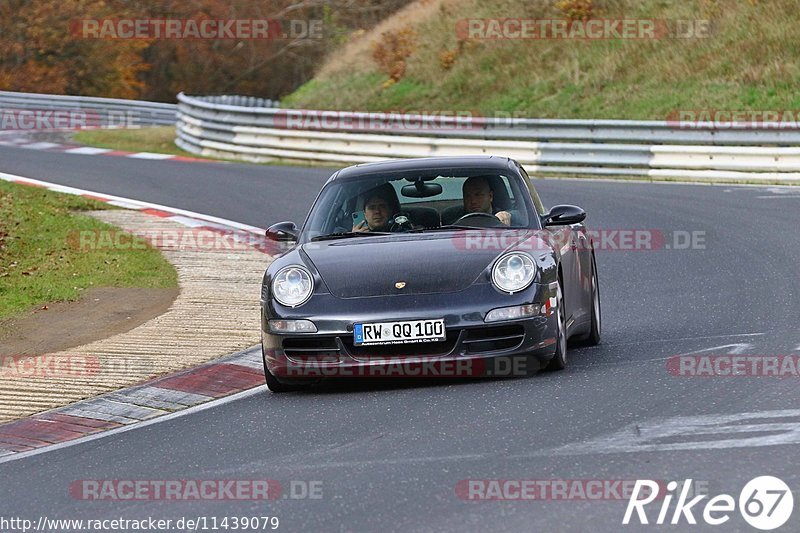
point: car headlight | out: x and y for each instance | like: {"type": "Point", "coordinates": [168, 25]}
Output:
{"type": "Point", "coordinates": [292, 286]}
{"type": "Point", "coordinates": [513, 272]}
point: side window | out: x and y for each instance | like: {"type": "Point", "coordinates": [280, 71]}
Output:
{"type": "Point", "coordinates": [537, 202]}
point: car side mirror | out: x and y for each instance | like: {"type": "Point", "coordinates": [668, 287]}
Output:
{"type": "Point", "coordinates": [564, 215]}
{"type": "Point", "coordinates": [282, 232]}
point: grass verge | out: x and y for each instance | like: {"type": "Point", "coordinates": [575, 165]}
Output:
{"type": "Point", "coordinates": [746, 60]}
{"type": "Point", "coordinates": [161, 140]}
{"type": "Point", "coordinates": [158, 139]}
{"type": "Point", "coordinates": [40, 262]}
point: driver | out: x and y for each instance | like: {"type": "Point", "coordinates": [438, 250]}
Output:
{"type": "Point", "coordinates": [478, 198]}
{"type": "Point", "coordinates": [380, 205]}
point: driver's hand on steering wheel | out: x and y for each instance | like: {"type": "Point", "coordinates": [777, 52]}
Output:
{"type": "Point", "coordinates": [504, 217]}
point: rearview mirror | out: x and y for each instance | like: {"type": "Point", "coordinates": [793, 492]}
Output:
{"type": "Point", "coordinates": [282, 232]}
{"type": "Point", "coordinates": [564, 215]}
{"type": "Point", "coordinates": [420, 189]}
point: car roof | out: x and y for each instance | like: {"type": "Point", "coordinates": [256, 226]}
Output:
{"type": "Point", "coordinates": [488, 162]}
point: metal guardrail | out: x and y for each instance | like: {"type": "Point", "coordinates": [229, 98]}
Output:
{"type": "Point", "coordinates": [105, 112]}
{"type": "Point", "coordinates": [252, 132]}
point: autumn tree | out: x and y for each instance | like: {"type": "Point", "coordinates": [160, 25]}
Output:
{"type": "Point", "coordinates": [43, 49]}
{"type": "Point", "coordinates": [40, 51]}
{"type": "Point", "coordinates": [267, 68]}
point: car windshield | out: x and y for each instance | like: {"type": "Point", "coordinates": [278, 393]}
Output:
{"type": "Point", "coordinates": [420, 201]}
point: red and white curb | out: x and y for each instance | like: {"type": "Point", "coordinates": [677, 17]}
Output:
{"type": "Point", "coordinates": [239, 232]}
{"type": "Point", "coordinates": [160, 397]}
{"type": "Point", "coordinates": [19, 140]}
{"type": "Point", "coordinates": [163, 396]}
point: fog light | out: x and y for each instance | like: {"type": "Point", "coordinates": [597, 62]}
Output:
{"type": "Point", "coordinates": [292, 326]}
{"type": "Point", "coordinates": [510, 313]}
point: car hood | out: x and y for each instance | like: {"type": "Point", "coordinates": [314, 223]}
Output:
{"type": "Point", "coordinates": [427, 263]}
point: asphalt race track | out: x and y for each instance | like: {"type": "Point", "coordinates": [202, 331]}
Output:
{"type": "Point", "coordinates": [389, 454]}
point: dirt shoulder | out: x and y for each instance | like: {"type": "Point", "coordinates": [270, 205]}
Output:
{"type": "Point", "coordinates": [100, 313]}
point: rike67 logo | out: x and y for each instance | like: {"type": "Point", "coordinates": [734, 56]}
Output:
{"type": "Point", "coordinates": [765, 503]}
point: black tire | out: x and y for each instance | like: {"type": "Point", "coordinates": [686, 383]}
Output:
{"type": "Point", "coordinates": [593, 339]}
{"type": "Point", "coordinates": [559, 360]}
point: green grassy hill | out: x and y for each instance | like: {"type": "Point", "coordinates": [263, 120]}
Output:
{"type": "Point", "coordinates": [750, 60]}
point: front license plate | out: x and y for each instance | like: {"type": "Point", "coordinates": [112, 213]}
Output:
{"type": "Point", "coordinates": [374, 333]}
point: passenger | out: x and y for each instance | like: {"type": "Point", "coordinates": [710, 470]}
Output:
{"type": "Point", "coordinates": [380, 207]}
{"type": "Point", "coordinates": [478, 197]}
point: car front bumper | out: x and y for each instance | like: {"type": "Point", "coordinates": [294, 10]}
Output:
{"type": "Point", "coordinates": [473, 348]}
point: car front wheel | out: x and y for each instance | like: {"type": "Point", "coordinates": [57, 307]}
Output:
{"type": "Point", "coordinates": [594, 334]}
{"type": "Point", "coordinates": [592, 337]}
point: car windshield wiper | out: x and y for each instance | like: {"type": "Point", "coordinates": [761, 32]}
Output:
{"type": "Point", "coordinates": [348, 234]}
{"type": "Point", "coordinates": [450, 227]}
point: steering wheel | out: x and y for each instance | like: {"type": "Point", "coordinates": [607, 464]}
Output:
{"type": "Point", "coordinates": [400, 223]}
{"type": "Point", "coordinates": [480, 220]}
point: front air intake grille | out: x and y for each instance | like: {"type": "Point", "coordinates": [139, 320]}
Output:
{"type": "Point", "coordinates": [310, 347]}
{"type": "Point", "coordinates": [494, 338]}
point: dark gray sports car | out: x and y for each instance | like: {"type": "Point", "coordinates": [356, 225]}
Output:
{"type": "Point", "coordinates": [444, 266]}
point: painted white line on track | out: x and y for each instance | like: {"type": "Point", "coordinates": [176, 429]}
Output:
{"type": "Point", "coordinates": [40, 145]}
{"type": "Point", "coordinates": [739, 430]}
{"type": "Point", "coordinates": [151, 155]}
{"type": "Point", "coordinates": [60, 188]}
{"type": "Point", "coordinates": [191, 222]}
{"type": "Point", "coordinates": [733, 349]}
{"type": "Point", "coordinates": [659, 341]}
{"type": "Point", "coordinates": [138, 425]}
{"type": "Point", "coordinates": [703, 432]}
{"type": "Point", "coordinates": [126, 205]}
{"type": "Point", "coordinates": [87, 150]}
{"type": "Point", "coordinates": [781, 190]}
